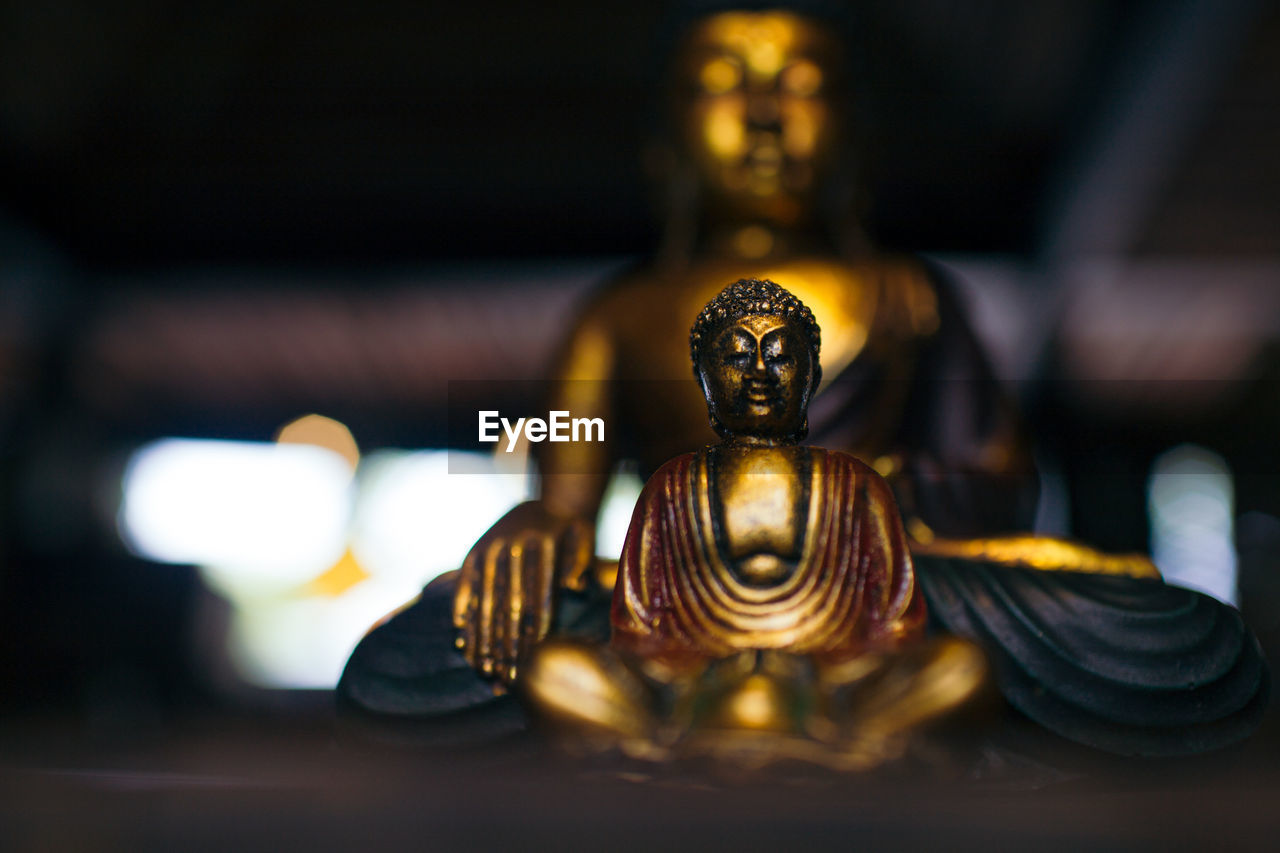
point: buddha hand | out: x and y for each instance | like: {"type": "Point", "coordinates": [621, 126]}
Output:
{"type": "Point", "coordinates": [505, 599]}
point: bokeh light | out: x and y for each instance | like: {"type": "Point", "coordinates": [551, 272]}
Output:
{"type": "Point", "coordinates": [308, 556]}
{"type": "Point", "coordinates": [1190, 502]}
{"type": "Point", "coordinates": [273, 512]}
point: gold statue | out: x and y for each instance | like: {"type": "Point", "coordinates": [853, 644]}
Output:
{"type": "Point", "coordinates": [769, 604]}
{"type": "Point", "coordinates": [737, 610]}
{"type": "Point", "coordinates": [757, 542]}
{"type": "Point", "coordinates": [765, 593]}
{"type": "Point", "coordinates": [757, 116]}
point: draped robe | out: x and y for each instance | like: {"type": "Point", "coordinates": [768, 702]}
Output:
{"type": "Point", "coordinates": [853, 589]}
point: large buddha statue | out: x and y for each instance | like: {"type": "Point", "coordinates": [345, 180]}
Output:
{"type": "Point", "coordinates": [753, 174]}
{"type": "Point", "coordinates": [769, 601]}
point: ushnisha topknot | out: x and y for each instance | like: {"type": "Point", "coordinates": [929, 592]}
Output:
{"type": "Point", "coordinates": [746, 297]}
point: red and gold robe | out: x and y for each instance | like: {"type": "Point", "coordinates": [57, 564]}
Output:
{"type": "Point", "coordinates": [853, 590]}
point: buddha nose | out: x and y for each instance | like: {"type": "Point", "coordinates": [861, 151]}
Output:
{"type": "Point", "coordinates": [763, 112]}
{"type": "Point", "coordinates": [759, 368]}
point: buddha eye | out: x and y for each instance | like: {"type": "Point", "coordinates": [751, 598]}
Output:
{"type": "Point", "coordinates": [739, 349]}
{"type": "Point", "coordinates": [720, 75]}
{"type": "Point", "coordinates": [781, 360]}
{"type": "Point", "coordinates": [776, 350]}
{"type": "Point", "coordinates": [802, 78]}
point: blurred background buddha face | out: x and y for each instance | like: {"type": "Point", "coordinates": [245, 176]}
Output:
{"type": "Point", "coordinates": [755, 109]}
{"type": "Point", "coordinates": [758, 375]}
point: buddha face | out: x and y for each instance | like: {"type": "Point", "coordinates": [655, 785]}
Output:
{"type": "Point", "coordinates": [757, 111]}
{"type": "Point", "coordinates": [758, 375]}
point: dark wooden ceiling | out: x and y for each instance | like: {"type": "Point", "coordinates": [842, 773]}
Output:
{"type": "Point", "coordinates": [140, 132]}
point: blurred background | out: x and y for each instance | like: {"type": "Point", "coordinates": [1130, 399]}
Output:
{"type": "Point", "coordinates": [245, 247]}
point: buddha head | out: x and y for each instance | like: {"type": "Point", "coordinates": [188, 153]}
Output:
{"type": "Point", "coordinates": [755, 354]}
{"type": "Point", "coordinates": [756, 107]}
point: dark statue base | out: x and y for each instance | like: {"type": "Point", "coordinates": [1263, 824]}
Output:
{"type": "Point", "coordinates": [1123, 665]}
{"type": "Point", "coordinates": [407, 683]}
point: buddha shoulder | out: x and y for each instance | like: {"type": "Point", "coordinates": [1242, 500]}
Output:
{"type": "Point", "coordinates": [909, 294]}
{"type": "Point", "coordinates": [638, 306]}
{"type": "Point", "coordinates": [836, 463]}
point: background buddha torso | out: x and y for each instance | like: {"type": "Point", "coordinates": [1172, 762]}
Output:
{"type": "Point", "coordinates": [902, 374]}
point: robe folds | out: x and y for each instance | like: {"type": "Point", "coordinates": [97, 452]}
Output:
{"type": "Point", "coordinates": [853, 589]}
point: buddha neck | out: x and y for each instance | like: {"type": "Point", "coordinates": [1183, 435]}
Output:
{"type": "Point", "coordinates": [760, 241]}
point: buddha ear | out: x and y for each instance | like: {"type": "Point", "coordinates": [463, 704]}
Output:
{"type": "Point", "coordinates": [817, 377]}
{"type": "Point", "coordinates": [701, 376]}
{"type": "Point", "coordinates": [716, 426]}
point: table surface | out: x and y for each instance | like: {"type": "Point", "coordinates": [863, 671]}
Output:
{"type": "Point", "coordinates": [220, 783]}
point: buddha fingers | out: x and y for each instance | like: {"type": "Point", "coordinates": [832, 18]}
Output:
{"type": "Point", "coordinates": [493, 586]}
{"type": "Point", "coordinates": [525, 614]}
{"type": "Point", "coordinates": [575, 555]}
{"type": "Point", "coordinates": [505, 600]}
{"type": "Point", "coordinates": [538, 625]}
{"type": "Point", "coordinates": [464, 607]}
{"type": "Point", "coordinates": [514, 614]}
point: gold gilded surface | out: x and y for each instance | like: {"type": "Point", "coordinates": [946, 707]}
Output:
{"type": "Point", "coordinates": [755, 112]}
{"type": "Point", "coordinates": [1045, 553]}
{"type": "Point", "coordinates": [605, 574]}
{"type": "Point", "coordinates": [879, 312]}
{"type": "Point", "coordinates": [756, 709]}
{"type": "Point", "coordinates": [762, 499]}
{"type": "Point", "coordinates": [765, 606]}
{"type": "Point", "coordinates": [757, 703]}
{"type": "Point", "coordinates": [752, 182]}
{"type": "Point", "coordinates": [757, 542]}
{"type": "Point", "coordinates": [918, 686]}
{"type": "Point", "coordinates": [505, 594]}
{"type": "Point", "coordinates": [695, 590]}
{"type": "Point", "coordinates": [572, 682]}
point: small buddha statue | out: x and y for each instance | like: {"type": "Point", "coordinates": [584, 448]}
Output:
{"type": "Point", "coordinates": [752, 171]}
{"type": "Point", "coordinates": [769, 604]}
{"type": "Point", "coordinates": [757, 542]}
{"type": "Point", "coordinates": [761, 579]}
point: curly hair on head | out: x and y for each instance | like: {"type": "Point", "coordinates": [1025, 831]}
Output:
{"type": "Point", "coordinates": [744, 298]}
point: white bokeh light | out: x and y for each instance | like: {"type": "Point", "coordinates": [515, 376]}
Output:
{"type": "Point", "coordinates": [1190, 501]}
{"type": "Point", "coordinates": [274, 512]}
{"type": "Point", "coordinates": [304, 642]}
{"type": "Point", "coordinates": [418, 513]}
{"type": "Point", "coordinates": [269, 525]}
{"type": "Point", "coordinates": [615, 512]}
